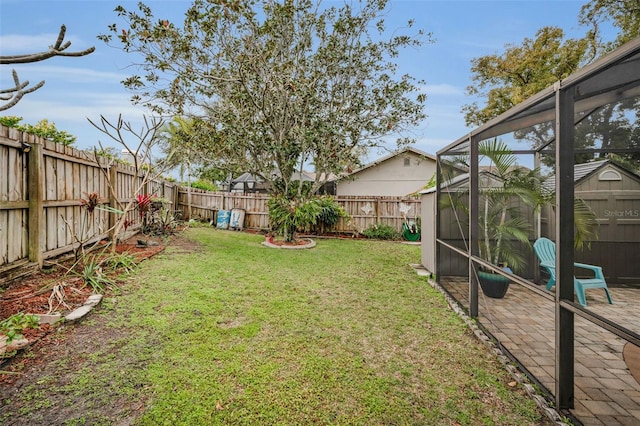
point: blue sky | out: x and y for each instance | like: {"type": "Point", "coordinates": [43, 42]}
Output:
{"type": "Point", "coordinates": [77, 88]}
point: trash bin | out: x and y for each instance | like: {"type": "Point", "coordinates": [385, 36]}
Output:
{"type": "Point", "coordinates": [236, 221]}
{"type": "Point", "coordinates": [223, 219]}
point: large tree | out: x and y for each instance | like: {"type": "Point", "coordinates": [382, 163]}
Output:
{"type": "Point", "coordinates": [520, 71]}
{"type": "Point", "coordinates": [504, 80]}
{"type": "Point", "coordinates": [281, 85]}
{"type": "Point", "coordinates": [622, 14]}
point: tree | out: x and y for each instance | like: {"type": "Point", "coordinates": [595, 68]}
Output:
{"type": "Point", "coordinates": [140, 144]}
{"type": "Point", "coordinates": [521, 71]}
{"type": "Point", "coordinates": [622, 14]}
{"type": "Point", "coordinates": [506, 79]}
{"type": "Point", "coordinates": [178, 141]}
{"type": "Point", "coordinates": [280, 85]}
{"type": "Point", "coordinates": [14, 94]}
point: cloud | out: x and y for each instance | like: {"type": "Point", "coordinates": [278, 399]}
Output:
{"type": "Point", "coordinates": [23, 44]}
{"type": "Point", "coordinates": [62, 73]}
{"type": "Point", "coordinates": [443, 89]}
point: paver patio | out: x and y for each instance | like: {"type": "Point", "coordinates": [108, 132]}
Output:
{"type": "Point", "coordinates": [605, 391]}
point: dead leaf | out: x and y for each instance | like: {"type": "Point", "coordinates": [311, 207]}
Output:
{"type": "Point", "coordinates": [219, 406]}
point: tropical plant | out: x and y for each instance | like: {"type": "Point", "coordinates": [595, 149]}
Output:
{"type": "Point", "coordinates": [93, 275]}
{"type": "Point", "coordinates": [161, 222]}
{"type": "Point", "coordinates": [288, 215]}
{"type": "Point", "coordinates": [124, 262]}
{"type": "Point", "coordinates": [330, 214]}
{"type": "Point", "coordinates": [505, 191]}
{"type": "Point", "coordinates": [502, 223]}
{"type": "Point", "coordinates": [143, 204]}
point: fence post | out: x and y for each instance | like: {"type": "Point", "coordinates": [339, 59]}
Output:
{"type": "Point", "coordinates": [36, 205]}
{"type": "Point", "coordinates": [113, 200]}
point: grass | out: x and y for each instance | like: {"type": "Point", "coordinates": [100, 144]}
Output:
{"type": "Point", "coordinates": [236, 333]}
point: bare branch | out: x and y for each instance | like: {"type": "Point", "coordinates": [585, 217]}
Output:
{"type": "Point", "coordinates": [14, 94]}
{"type": "Point", "coordinates": [56, 50]}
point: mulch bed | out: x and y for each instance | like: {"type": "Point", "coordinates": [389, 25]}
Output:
{"type": "Point", "coordinates": [31, 294]}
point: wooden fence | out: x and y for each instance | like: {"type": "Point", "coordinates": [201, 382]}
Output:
{"type": "Point", "coordinates": [41, 187]}
{"type": "Point", "coordinates": [364, 211]}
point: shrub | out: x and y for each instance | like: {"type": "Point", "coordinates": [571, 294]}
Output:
{"type": "Point", "coordinates": [381, 231]}
{"type": "Point", "coordinates": [288, 215]}
{"type": "Point", "coordinates": [43, 128]}
{"type": "Point", "coordinates": [329, 215]}
{"type": "Point", "coordinates": [205, 185]}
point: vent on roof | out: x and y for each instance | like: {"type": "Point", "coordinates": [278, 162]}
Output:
{"type": "Point", "coordinates": [609, 175]}
{"type": "Point", "coordinates": [407, 161]}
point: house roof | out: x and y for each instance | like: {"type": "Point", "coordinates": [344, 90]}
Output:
{"type": "Point", "coordinates": [312, 175]}
{"type": "Point", "coordinates": [392, 155]}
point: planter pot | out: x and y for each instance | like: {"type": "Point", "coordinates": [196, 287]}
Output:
{"type": "Point", "coordinates": [493, 285]}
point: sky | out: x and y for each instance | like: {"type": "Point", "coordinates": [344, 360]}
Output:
{"type": "Point", "coordinates": [78, 89]}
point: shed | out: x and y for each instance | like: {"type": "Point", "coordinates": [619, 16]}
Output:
{"type": "Point", "coordinates": [612, 191]}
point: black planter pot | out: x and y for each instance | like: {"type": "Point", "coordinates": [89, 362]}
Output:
{"type": "Point", "coordinates": [493, 285]}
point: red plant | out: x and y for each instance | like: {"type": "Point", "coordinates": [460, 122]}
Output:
{"type": "Point", "coordinates": [144, 203]}
{"type": "Point", "coordinates": [92, 201]}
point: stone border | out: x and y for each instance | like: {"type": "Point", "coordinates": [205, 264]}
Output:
{"type": "Point", "coordinates": [309, 245]}
{"type": "Point", "coordinates": [83, 310]}
{"type": "Point", "coordinates": [16, 345]}
{"type": "Point", "coordinates": [552, 414]}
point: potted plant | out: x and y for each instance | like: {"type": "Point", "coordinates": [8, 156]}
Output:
{"type": "Point", "coordinates": [506, 190]}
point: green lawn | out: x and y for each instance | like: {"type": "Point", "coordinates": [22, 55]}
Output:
{"type": "Point", "coordinates": [345, 333]}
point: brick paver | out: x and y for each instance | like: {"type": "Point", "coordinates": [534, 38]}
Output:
{"type": "Point", "coordinates": [606, 393]}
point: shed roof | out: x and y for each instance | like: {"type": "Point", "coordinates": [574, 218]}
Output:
{"type": "Point", "coordinates": [585, 170]}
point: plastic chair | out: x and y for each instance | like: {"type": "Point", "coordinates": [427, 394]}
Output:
{"type": "Point", "coordinates": [545, 249]}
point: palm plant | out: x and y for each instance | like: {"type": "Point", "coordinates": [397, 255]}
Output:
{"type": "Point", "coordinates": [504, 190]}
{"type": "Point", "coordinates": [503, 226]}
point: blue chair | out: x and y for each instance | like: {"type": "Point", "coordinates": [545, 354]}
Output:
{"type": "Point", "coordinates": [545, 249]}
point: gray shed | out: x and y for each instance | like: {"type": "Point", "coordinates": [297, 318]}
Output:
{"type": "Point", "coordinates": [613, 193]}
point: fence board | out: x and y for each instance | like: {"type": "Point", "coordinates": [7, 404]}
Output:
{"type": "Point", "coordinates": [4, 242]}
{"type": "Point", "coordinates": [364, 211]}
{"type": "Point", "coordinates": [66, 176]}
